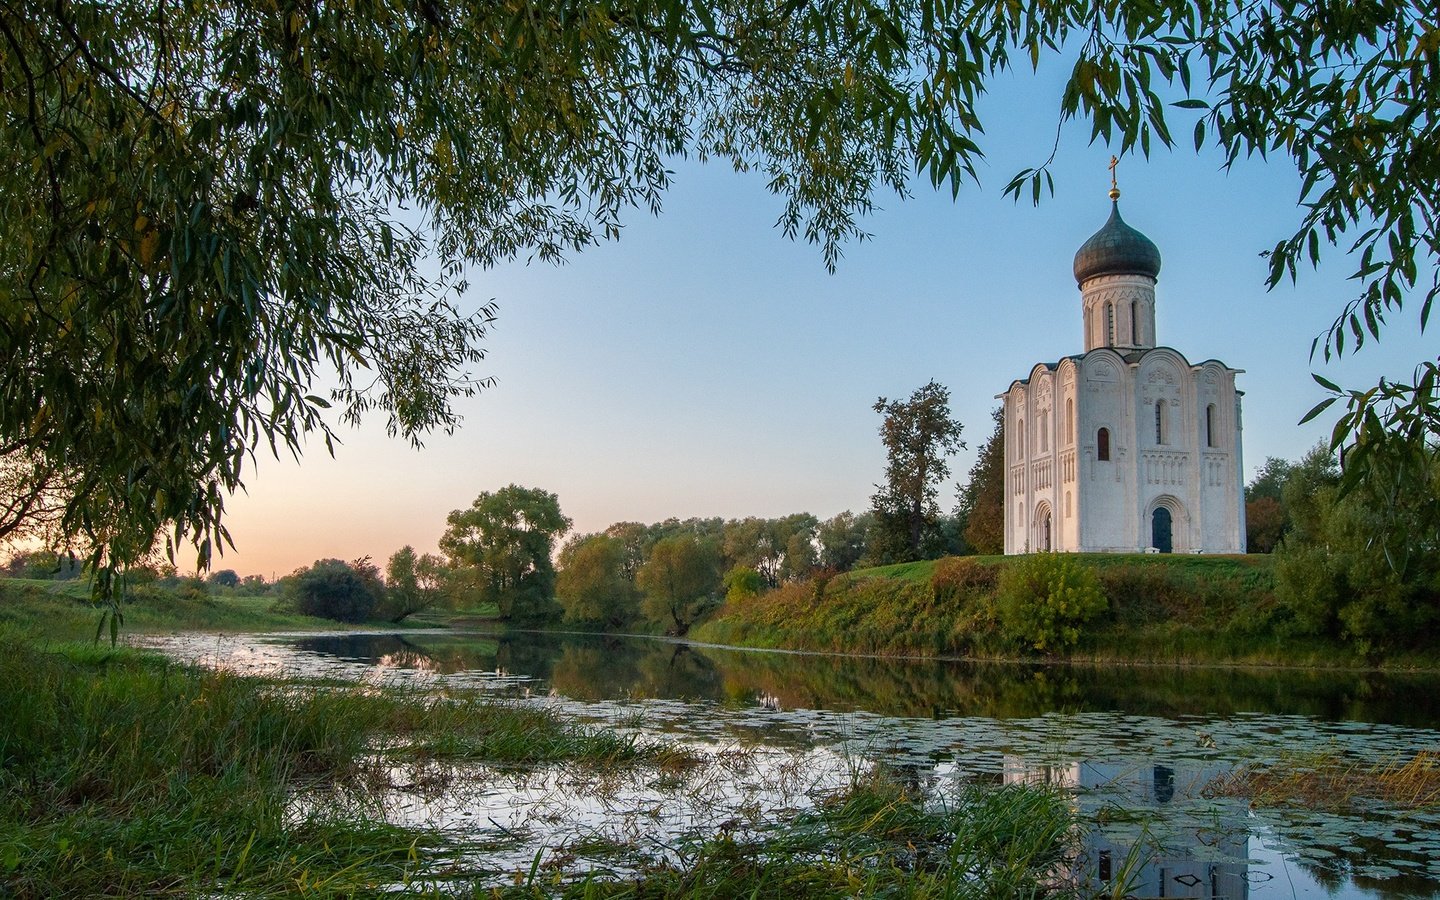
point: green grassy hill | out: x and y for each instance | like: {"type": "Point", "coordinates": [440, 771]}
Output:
{"type": "Point", "coordinates": [1160, 608]}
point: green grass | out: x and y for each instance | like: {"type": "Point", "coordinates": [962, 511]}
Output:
{"type": "Point", "coordinates": [61, 610]}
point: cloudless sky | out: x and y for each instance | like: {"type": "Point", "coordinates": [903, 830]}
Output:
{"type": "Point", "coordinates": [705, 365]}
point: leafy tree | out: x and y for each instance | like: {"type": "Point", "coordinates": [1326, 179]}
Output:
{"type": "Point", "coordinates": [200, 214]}
{"type": "Point", "coordinates": [742, 582]}
{"type": "Point", "coordinates": [225, 578]}
{"type": "Point", "coordinates": [1360, 565]}
{"type": "Point", "coordinates": [412, 584]}
{"type": "Point", "coordinates": [1269, 480]}
{"type": "Point", "coordinates": [779, 549]}
{"type": "Point", "coordinates": [1266, 519]}
{"type": "Point", "coordinates": [842, 540]}
{"type": "Point", "coordinates": [34, 492]}
{"type": "Point", "coordinates": [198, 199]}
{"type": "Point", "coordinates": [505, 540]}
{"type": "Point", "coordinates": [635, 544]}
{"type": "Point", "coordinates": [680, 579]}
{"type": "Point", "coordinates": [802, 556]}
{"type": "Point", "coordinates": [1265, 524]}
{"type": "Point", "coordinates": [592, 584]}
{"type": "Point", "coordinates": [334, 589]}
{"type": "Point", "coordinates": [46, 564]}
{"type": "Point", "coordinates": [918, 434]}
{"type": "Point", "coordinates": [980, 509]}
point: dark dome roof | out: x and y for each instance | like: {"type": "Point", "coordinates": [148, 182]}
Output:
{"type": "Point", "coordinates": [1116, 249]}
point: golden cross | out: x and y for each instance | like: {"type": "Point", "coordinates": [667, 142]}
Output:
{"type": "Point", "coordinates": [1114, 188]}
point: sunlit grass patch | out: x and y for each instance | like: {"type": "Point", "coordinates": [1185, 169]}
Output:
{"type": "Point", "coordinates": [1332, 783]}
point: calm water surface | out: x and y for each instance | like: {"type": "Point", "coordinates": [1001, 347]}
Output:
{"type": "Point", "coordinates": [1142, 749]}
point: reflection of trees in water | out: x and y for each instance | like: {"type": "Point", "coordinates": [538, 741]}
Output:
{"type": "Point", "coordinates": [947, 688]}
{"type": "Point", "coordinates": [614, 668]}
{"type": "Point", "coordinates": [591, 667]}
{"type": "Point", "coordinates": [1355, 854]}
{"type": "Point", "coordinates": [439, 653]}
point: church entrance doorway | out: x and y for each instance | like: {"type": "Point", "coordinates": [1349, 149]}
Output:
{"type": "Point", "coordinates": [1045, 533]}
{"type": "Point", "coordinates": [1160, 531]}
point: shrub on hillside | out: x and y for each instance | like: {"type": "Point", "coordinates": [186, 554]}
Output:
{"type": "Point", "coordinates": [742, 582]}
{"type": "Point", "coordinates": [1045, 598]}
{"type": "Point", "coordinates": [956, 578]}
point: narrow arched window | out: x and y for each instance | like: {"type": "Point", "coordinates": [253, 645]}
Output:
{"type": "Point", "coordinates": [1069, 420]}
{"type": "Point", "coordinates": [1210, 426]}
{"type": "Point", "coordinates": [1135, 322]}
{"type": "Point", "coordinates": [1045, 433]}
{"type": "Point", "coordinates": [1110, 323]}
{"type": "Point", "coordinates": [1160, 421]}
{"type": "Point", "coordinates": [1102, 445]}
{"type": "Point", "coordinates": [1020, 442]}
{"type": "Point", "coordinates": [1067, 504]}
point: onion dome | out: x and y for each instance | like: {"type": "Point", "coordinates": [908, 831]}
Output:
{"type": "Point", "coordinates": [1116, 249]}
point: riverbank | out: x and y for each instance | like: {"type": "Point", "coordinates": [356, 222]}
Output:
{"type": "Point", "coordinates": [123, 774]}
{"type": "Point", "coordinates": [1162, 609]}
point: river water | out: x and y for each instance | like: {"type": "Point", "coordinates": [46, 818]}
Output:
{"type": "Point", "coordinates": [1145, 751]}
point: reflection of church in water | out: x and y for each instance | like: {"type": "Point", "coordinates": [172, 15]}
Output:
{"type": "Point", "coordinates": [1127, 446]}
{"type": "Point", "coordinates": [1211, 864]}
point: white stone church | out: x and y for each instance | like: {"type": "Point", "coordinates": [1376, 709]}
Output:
{"type": "Point", "coordinates": [1128, 446]}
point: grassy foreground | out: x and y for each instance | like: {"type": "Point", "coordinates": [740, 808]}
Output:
{"type": "Point", "coordinates": [1163, 609]}
{"type": "Point", "coordinates": [125, 775]}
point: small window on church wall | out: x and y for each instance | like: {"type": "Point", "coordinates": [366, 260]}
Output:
{"type": "Point", "coordinates": [1044, 438]}
{"type": "Point", "coordinates": [1134, 322]}
{"type": "Point", "coordinates": [1067, 504]}
{"type": "Point", "coordinates": [1160, 411]}
{"type": "Point", "coordinates": [1210, 426]}
{"type": "Point", "coordinates": [1020, 442]}
{"type": "Point", "coordinates": [1102, 445]}
{"type": "Point", "coordinates": [1069, 420]}
{"type": "Point", "coordinates": [1109, 323]}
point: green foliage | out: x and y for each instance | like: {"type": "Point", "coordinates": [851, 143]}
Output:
{"type": "Point", "coordinates": [43, 564]}
{"type": "Point", "coordinates": [680, 580]}
{"type": "Point", "coordinates": [1265, 524]}
{"type": "Point", "coordinates": [503, 544]}
{"type": "Point", "coordinates": [742, 582]}
{"type": "Point", "coordinates": [918, 435]}
{"type": "Point", "coordinates": [333, 589]}
{"type": "Point", "coordinates": [224, 578]}
{"type": "Point", "coordinates": [958, 579]}
{"type": "Point", "coordinates": [1362, 565]}
{"type": "Point", "coordinates": [980, 507]}
{"type": "Point", "coordinates": [412, 584]}
{"type": "Point", "coordinates": [842, 540]}
{"type": "Point", "coordinates": [1044, 599]}
{"type": "Point", "coordinates": [779, 549]}
{"type": "Point", "coordinates": [592, 584]}
{"type": "Point", "coordinates": [201, 214]}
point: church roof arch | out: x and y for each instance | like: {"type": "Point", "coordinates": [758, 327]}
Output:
{"type": "Point", "coordinates": [1161, 362]}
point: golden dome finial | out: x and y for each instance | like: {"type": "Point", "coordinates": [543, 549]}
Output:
{"type": "Point", "coordinates": [1114, 188]}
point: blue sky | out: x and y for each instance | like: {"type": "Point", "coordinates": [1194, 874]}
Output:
{"type": "Point", "coordinates": [705, 365]}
